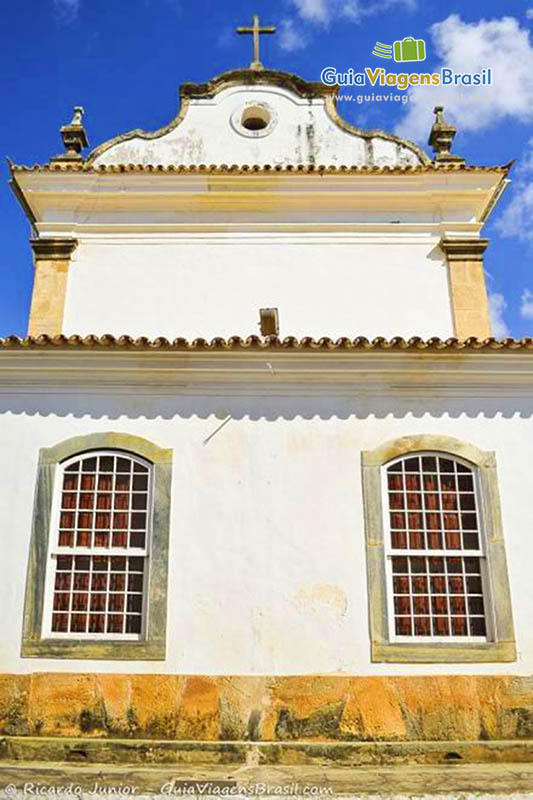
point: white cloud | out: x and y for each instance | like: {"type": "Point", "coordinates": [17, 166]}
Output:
{"type": "Point", "coordinates": [525, 164]}
{"type": "Point", "coordinates": [517, 219]}
{"type": "Point", "coordinates": [497, 306]}
{"type": "Point", "coordinates": [313, 10]}
{"type": "Point", "coordinates": [529, 13]}
{"type": "Point", "coordinates": [526, 305]}
{"type": "Point", "coordinates": [469, 47]}
{"type": "Point", "coordinates": [324, 12]}
{"type": "Point", "coordinates": [290, 38]}
{"type": "Point", "coordinates": [67, 10]}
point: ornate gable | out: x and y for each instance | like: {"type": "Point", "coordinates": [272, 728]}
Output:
{"type": "Point", "coordinates": [259, 117]}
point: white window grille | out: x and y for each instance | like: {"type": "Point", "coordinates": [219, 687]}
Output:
{"type": "Point", "coordinates": [437, 579]}
{"type": "Point", "coordinates": [97, 575]}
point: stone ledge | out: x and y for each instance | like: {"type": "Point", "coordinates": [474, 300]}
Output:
{"type": "Point", "coordinates": [496, 780]}
{"type": "Point", "coordinates": [347, 754]}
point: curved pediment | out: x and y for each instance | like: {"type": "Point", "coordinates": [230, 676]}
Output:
{"type": "Point", "coordinates": [259, 117]}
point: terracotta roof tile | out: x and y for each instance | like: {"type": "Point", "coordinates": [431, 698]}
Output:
{"type": "Point", "coordinates": [224, 169]}
{"type": "Point", "coordinates": [236, 343]}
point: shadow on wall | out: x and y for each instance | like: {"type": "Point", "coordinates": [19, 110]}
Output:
{"type": "Point", "coordinates": [270, 408]}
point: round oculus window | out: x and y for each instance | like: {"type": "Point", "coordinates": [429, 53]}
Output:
{"type": "Point", "coordinates": [254, 119]}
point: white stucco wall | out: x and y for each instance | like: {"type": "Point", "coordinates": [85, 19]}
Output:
{"type": "Point", "coordinates": [267, 557]}
{"type": "Point", "coordinates": [213, 285]}
{"type": "Point", "coordinates": [301, 132]}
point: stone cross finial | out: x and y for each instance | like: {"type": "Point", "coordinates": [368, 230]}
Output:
{"type": "Point", "coordinates": [441, 138]}
{"type": "Point", "coordinates": [256, 30]}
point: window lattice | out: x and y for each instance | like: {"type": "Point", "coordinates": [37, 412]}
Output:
{"type": "Point", "coordinates": [435, 557]}
{"type": "Point", "coordinates": [102, 541]}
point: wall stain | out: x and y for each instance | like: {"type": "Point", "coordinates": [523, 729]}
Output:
{"type": "Point", "coordinates": [458, 708]}
{"type": "Point", "coordinates": [322, 596]}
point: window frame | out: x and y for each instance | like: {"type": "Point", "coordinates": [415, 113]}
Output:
{"type": "Point", "coordinates": [37, 639]}
{"type": "Point", "coordinates": [55, 549]}
{"type": "Point", "coordinates": [480, 553]}
{"type": "Point", "coordinates": [499, 644]}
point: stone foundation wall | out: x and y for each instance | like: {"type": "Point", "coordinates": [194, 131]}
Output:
{"type": "Point", "coordinates": [266, 709]}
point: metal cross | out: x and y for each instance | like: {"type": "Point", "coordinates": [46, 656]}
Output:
{"type": "Point", "coordinates": [256, 30]}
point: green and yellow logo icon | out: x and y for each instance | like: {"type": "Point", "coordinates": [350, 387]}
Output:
{"type": "Point", "coordinates": [382, 50]}
{"type": "Point", "coordinates": [407, 49]}
{"type": "Point", "coordinates": [410, 49]}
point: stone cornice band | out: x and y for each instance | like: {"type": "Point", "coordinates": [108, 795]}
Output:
{"type": "Point", "coordinates": [53, 249]}
{"type": "Point", "coordinates": [464, 249]}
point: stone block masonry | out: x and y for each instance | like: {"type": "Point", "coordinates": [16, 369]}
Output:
{"type": "Point", "coordinates": [267, 709]}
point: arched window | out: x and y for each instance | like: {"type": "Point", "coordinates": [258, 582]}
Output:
{"type": "Point", "coordinates": [437, 571]}
{"type": "Point", "coordinates": [97, 578]}
{"type": "Point", "coordinates": [435, 550]}
{"type": "Point", "coordinates": [99, 547]}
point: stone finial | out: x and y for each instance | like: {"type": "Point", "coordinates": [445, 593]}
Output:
{"type": "Point", "coordinates": [441, 138]}
{"type": "Point", "coordinates": [74, 137]}
{"type": "Point", "coordinates": [77, 118]}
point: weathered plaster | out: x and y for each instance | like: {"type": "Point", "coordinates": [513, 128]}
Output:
{"type": "Point", "coordinates": [261, 520]}
{"type": "Point", "coordinates": [307, 130]}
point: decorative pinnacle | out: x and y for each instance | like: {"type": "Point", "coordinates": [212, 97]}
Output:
{"type": "Point", "coordinates": [77, 119]}
{"type": "Point", "coordinates": [439, 115]}
{"type": "Point", "coordinates": [74, 137]}
{"type": "Point", "coordinates": [441, 138]}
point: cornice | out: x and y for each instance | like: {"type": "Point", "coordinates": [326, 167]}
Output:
{"type": "Point", "coordinates": [424, 234]}
{"type": "Point", "coordinates": [65, 202]}
{"type": "Point", "coordinates": [268, 367]}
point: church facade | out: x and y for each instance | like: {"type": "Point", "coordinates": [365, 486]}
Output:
{"type": "Point", "coordinates": [265, 470]}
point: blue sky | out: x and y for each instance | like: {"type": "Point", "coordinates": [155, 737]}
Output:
{"type": "Point", "coordinates": [123, 60]}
